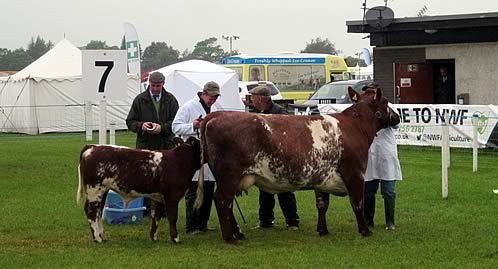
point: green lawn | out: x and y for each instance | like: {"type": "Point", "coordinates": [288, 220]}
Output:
{"type": "Point", "coordinates": [42, 227]}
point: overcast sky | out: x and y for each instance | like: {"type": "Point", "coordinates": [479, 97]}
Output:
{"type": "Point", "coordinates": [264, 26]}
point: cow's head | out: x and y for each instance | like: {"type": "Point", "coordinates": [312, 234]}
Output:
{"type": "Point", "coordinates": [375, 99]}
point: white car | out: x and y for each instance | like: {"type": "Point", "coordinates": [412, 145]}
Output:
{"type": "Point", "coordinates": [246, 86]}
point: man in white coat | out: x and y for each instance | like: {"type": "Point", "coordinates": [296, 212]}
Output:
{"type": "Point", "coordinates": [186, 124]}
{"type": "Point", "coordinates": [383, 168]}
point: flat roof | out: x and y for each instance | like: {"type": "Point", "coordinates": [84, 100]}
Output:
{"type": "Point", "coordinates": [488, 15]}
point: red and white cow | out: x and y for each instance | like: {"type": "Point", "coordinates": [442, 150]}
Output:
{"type": "Point", "coordinates": [163, 176]}
{"type": "Point", "coordinates": [281, 153]}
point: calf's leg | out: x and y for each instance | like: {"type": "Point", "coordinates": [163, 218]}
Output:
{"type": "Point", "coordinates": [172, 214]}
{"type": "Point", "coordinates": [93, 213]}
{"type": "Point", "coordinates": [156, 213]}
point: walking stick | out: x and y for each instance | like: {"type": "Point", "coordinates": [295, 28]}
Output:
{"type": "Point", "coordinates": [240, 211]}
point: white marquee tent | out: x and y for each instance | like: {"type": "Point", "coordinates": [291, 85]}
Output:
{"type": "Point", "coordinates": [185, 79]}
{"type": "Point", "coordinates": [46, 96]}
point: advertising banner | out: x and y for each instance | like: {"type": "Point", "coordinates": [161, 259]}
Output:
{"type": "Point", "coordinates": [421, 123]}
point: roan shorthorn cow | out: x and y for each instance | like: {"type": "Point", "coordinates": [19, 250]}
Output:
{"type": "Point", "coordinates": [280, 153]}
{"type": "Point", "coordinates": [163, 175]}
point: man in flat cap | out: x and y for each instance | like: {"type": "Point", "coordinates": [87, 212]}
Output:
{"type": "Point", "coordinates": [186, 124]}
{"type": "Point", "coordinates": [151, 115]}
{"type": "Point", "coordinates": [261, 99]}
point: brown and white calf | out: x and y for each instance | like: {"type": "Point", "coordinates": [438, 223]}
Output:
{"type": "Point", "coordinates": [163, 176]}
{"type": "Point", "coordinates": [281, 153]}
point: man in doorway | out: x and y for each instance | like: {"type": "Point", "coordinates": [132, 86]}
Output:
{"type": "Point", "coordinates": [444, 87]}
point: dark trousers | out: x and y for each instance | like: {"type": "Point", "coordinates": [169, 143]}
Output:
{"type": "Point", "coordinates": [197, 219]}
{"type": "Point", "coordinates": [287, 202]}
{"type": "Point", "coordinates": [388, 193]}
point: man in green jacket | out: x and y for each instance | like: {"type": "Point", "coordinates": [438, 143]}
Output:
{"type": "Point", "coordinates": [151, 115]}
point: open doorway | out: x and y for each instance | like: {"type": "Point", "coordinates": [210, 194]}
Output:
{"type": "Point", "coordinates": [443, 82]}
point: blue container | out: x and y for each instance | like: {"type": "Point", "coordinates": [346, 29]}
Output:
{"type": "Point", "coordinates": [114, 200]}
{"type": "Point", "coordinates": [124, 216]}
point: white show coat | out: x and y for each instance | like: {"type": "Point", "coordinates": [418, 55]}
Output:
{"type": "Point", "coordinates": [182, 126]}
{"type": "Point", "coordinates": [383, 162]}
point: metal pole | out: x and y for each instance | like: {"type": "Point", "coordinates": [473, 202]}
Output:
{"type": "Point", "coordinates": [88, 120]}
{"type": "Point", "coordinates": [112, 133]}
{"type": "Point", "coordinates": [475, 144]}
{"type": "Point", "coordinates": [444, 156]}
{"type": "Point", "coordinates": [240, 211]}
{"type": "Point", "coordinates": [102, 122]}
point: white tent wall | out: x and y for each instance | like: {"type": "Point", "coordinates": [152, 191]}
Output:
{"type": "Point", "coordinates": [16, 102]}
{"type": "Point", "coordinates": [56, 106]}
{"type": "Point", "coordinates": [185, 79]}
{"type": "Point", "coordinates": [46, 96]}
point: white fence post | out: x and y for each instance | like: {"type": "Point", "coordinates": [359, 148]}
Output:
{"type": "Point", "coordinates": [102, 122]}
{"type": "Point", "coordinates": [88, 121]}
{"type": "Point", "coordinates": [445, 155]}
{"type": "Point", "coordinates": [475, 144]}
{"type": "Point", "coordinates": [112, 133]}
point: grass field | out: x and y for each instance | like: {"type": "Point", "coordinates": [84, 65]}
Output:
{"type": "Point", "coordinates": [42, 227]}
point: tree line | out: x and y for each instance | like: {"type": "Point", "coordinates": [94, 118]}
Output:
{"type": "Point", "coordinates": [156, 55]}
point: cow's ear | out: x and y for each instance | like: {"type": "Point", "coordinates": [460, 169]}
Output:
{"type": "Point", "coordinates": [378, 94]}
{"type": "Point", "coordinates": [353, 95]}
{"type": "Point", "coordinates": [178, 141]}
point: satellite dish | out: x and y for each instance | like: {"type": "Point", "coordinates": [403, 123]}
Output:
{"type": "Point", "coordinates": [366, 56]}
{"type": "Point", "coordinates": [379, 17]}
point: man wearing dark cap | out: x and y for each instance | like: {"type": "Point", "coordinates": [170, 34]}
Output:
{"type": "Point", "coordinates": [261, 98]}
{"type": "Point", "coordinates": [150, 117]}
{"type": "Point", "coordinates": [186, 124]}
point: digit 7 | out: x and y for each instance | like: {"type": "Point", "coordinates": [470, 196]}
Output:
{"type": "Point", "coordinates": [103, 79]}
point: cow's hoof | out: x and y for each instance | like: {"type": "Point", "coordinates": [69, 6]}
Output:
{"type": "Point", "coordinates": [231, 240]}
{"type": "Point", "coordinates": [240, 236]}
{"type": "Point", "coordinates": [176, 240]}
{"type": "Point", "coordinates": [154, 237]}
{"type": "Point", "coordinates": [366, 233]}
{"type": "Point", "coordinates": [323, 233]}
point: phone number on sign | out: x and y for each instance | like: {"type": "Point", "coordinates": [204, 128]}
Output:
{"type": "Point", "coordinates": [411, 129]}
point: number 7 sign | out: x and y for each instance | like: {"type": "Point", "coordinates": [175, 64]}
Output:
{"type": "Point", "coordinates": [104, 75]}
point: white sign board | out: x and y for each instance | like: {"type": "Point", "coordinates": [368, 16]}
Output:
{"type": "Point", "coordinates": [104, 75]}
{"type": "Point", "coordinates": [406, 83]}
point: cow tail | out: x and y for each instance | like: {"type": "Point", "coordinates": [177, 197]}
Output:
{"type": "Point", "coordinates": [80, 194]}
{"type": "Point", "coordinates": [81, 189]}
{"type": "Point", "coordinates": [200, 180]}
